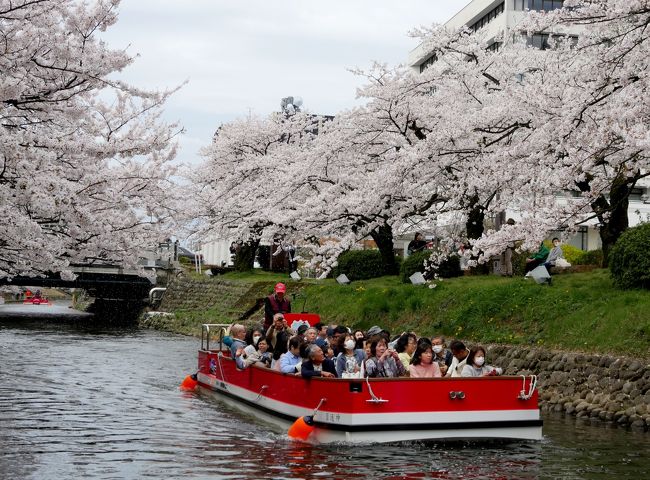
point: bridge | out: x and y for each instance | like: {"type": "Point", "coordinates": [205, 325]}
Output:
{"type": "Point", "coordinates": [107, 282]}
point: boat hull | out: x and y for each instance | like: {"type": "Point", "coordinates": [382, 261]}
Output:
{"type": "Point", "coordinates": [378, 410]}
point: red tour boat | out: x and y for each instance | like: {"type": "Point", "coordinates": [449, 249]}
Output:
{"type": "Point", "coordinates": [324, 410]}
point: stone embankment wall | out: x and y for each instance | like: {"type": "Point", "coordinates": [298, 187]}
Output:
{"type": "Point", "coordinates": [189, 302]}
{"type": "Point", "coordinates": [603, 387]}
{"type": "Point", "coordinates": [202, 294]}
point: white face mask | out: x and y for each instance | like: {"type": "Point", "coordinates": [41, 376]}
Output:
{"type": "Point", "coordinates": [350, 344]}
{"type": "Point", "coordinates": [256, 339]}
{"type": "Point", "coordinates": [437, 348]}
{"type": "Point", "coordinates": [479, 361]}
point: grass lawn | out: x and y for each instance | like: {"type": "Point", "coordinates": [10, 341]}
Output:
{"type": "Point", "coordinates": [580, 311]}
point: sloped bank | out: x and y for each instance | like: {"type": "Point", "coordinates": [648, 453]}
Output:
{"type": "Point", "coordinates": [603, 387]}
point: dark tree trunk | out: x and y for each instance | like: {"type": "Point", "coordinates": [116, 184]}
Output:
{"type": "Point", "coordinates": [612, 211]}
{"type": "Point", "coordinates": [614, 226]}
{"type": "Point", "coordinates": [475, 219]}
{"type": "Point", "coordinates": [245, 257]}
{"type": "Point", "coordinates": [383, 237]}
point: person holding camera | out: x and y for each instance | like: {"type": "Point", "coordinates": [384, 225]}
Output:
{"type": "Point", "coordinates": [278, 335]}
{"type": "Point", "coordinates": [384, 361]}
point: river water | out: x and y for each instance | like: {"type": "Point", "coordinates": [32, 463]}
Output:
{"type": "Point", "coordinates": [77, 402]}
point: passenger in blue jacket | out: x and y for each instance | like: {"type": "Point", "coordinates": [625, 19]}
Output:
{"type": "Point", "coordinates": [317, 365]}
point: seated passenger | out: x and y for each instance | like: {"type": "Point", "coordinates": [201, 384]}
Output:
{"type": "Point", "coordinates": [238, 334]}
{"type": "Point", "coordinates": [460, 353]}
{"type": "Point", "coordinates": [253, 336]}
{"type": "Point", "coordinates": [476, 366]}
{"type": "Point", "coordinates": [317, 365]}
{"type": "Point", "coordinates": [440, 354]}
{"type": "Point", "coordinates": [384, 362]}
{"type": "Point", "coordinates": [359, 337]}
{"type": "Point", "coordinates": [339, 331]}
{"type": "Point", "coordinates": [278, 335]}
{"type": "Point", "coordinates": [261, 356]}
{"type": "Point", "coordinates": [290, 361]}
{"type": "Point", "coordinates": [422, 365]}
{"type": "Point", "coordinates": [310, 335]}
{"type": "Point", "coordinates": [349, 361]}
{"type": "Point", "coordinates": [405, 347]}
{"type": "Point", "coordinates": [321, 338]}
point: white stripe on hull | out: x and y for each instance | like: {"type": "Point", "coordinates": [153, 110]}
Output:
{"type": "Point", "coordinates": [322, 435]}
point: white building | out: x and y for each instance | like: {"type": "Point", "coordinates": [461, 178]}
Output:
{"type": "Point", "coordinates": [493, 17]}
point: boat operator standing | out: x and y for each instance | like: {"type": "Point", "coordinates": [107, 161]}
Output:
{"type": "Point", "coordinates": [275, 303]}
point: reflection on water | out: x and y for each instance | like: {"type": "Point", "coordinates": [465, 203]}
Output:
{"type": "Point", "coordinates": [106, 404]}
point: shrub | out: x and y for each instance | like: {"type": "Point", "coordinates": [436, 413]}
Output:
{"type": "Point", "coordinates": [359, 265]}
{"type": "Point", "coordinates": [629, 262]}
{"type": "Point", "coordinates": [590, 257]}
{"type": "Point", "coordinates": [415, 263]}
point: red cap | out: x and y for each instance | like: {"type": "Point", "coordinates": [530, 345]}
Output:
{"type": "Point", "coordinates": [280, 288]}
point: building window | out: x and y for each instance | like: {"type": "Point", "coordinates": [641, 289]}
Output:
{"type": "Point", "coordinates": [541, 40]}
{"type": "Point", "coordinates": [428, 62]}
{"type": "Point", "coordinates": [546, 5]}
{"type": "Point", "coordinates": [488, 17]}
{"type": "Point", "coordinates": [494, 47]}
{"type": "Point", "coordinates": [636, 195]}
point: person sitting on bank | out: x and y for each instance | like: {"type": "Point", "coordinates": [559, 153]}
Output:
{"type": "Point", "coordinates": [555, 254]}
{"type": "Point", "coordinates": [278, 335]}
{"type": "Point", "coordinates": [418, 244]}
{"type": "Point", "coordinates": [422, 365]}
{"type": "Point", "coordinates": [350, 358]}
{"type": "Point", "coordinates": [276, 303]}
{"type": "Point", "coordinates": [238, 334]}
{"type": "Point", "coordinates": [441, 355]}
{"type": "Point", "coordinates": [383, 362]}
{"type": "Point", "coordinates": [460, 354]}
{"type": "Point", "coordinates": [317, 365]}
{"type": "Point", "coordinates": [536, 260]}
{"type": "Point", "coordinates": [291, 360]}
{"type": "Point", "coordinates": [476, 366]}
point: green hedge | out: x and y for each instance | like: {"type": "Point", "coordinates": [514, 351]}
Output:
{"type": "Point", "coordinates": [415, 263]}
{"type": "Point", "coordinates": [629, 262]}
{"type": "Point", "coordinates": [590, 257]}
{"type": "Point", "coordinates": [359, 265]}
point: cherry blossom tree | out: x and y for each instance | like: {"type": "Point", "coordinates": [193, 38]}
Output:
{"type": "Point", "coordinates": [85, 168]}
{"type": "Point", "coordinates": [246, 186]}
{"type": "Point", "coordinates": [558, 135]}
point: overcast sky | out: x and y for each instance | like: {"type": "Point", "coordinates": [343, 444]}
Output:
{"type": "Point", "coordinates": [242, 56]}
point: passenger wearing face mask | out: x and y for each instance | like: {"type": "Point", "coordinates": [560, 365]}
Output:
{"type": "Point", "coordinates": [350, 359]}
{"type": "Point", "coordinates": [476, 366]}
{"type": "Point", "coordinates": [441, 355]}
{"type": "Point", "coordinates": [253, 336]}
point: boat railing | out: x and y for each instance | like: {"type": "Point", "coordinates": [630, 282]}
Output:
{"type": "Point", "coordinates": [210, 329]}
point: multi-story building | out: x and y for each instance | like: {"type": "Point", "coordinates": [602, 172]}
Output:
{"type": "Point", "coordinates": [494, 18]}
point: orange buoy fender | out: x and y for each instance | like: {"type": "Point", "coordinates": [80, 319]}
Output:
{"type": "Point", "coordinates": [301, 428]}
{"type": "Point", "coordinates": [189, 383]}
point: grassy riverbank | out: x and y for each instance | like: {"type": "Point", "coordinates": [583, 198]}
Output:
{"type": "Point", "coordinates": [580, 311]}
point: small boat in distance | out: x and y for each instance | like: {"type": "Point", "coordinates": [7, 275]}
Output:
{"type": "Point", "coordinates": [36, 300]}
{"type": "Point", "coordinates": [368, 410]}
